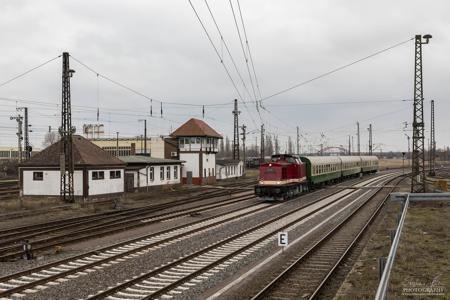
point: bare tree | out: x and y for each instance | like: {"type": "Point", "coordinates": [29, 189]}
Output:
{"type": "Point", "coordinates": [50, 138]}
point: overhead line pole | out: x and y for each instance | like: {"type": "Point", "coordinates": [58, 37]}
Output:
{"type": "Point", "coordinates": [244, 132]}
{"type": "Point", "coordinates": [370, 139]}
{"type": "Point", "coordinates": [432, 143]}
{"type": "Point", "coordinates": [358, 138]}
{"type": "Point", "coordinates": [418, 152]}
{"type": "Point", "coordinates": [236, 113]}
{"type": "Point", "coordinates": [66, 131]}
{"type": "Point", "coordinates": [262, 150]}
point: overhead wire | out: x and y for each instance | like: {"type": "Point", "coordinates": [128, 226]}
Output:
{"type": "Point", "coordinates": [246, 60]}
{"type": "Point", "coordinates": [216, 51]}
{"type": "Point", "coordinates": [335, 70]}
{"type": "Point", "coordinates": [248, 48]}
{"type": "Point", "coordinates": [232, 60]}
{"type": "Point", "coordinates": [29, 71]}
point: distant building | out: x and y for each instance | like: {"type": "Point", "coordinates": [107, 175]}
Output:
{"type": "Point", "coordinates": [157, 146]}
{"type": "Point", "coordinates": [228, 168]}
{"type": "Point", "coordinates": [143, 171]}
{"type": "Point", "coordinates": [13, 153]}
{"type": "Point", "coordinates": [91, 131]}
{"type": "Point", "coordinates": [197, 146]}
{"type": "Point", "coordinates": [97, 173]}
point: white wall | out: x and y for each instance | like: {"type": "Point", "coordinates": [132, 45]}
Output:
{"type": "Point", "coordinates": [107, 185]}
{"type": "Point", "coordinates": [222, 172]}
{"type": "Point", "coordinates": [191, 163]}
{"type": "Point", "coordinates": [209, 163]}
{"type": "Point", "coordinates": [157, 178]}
{"type": "Point", "coordinates": [50, 185]}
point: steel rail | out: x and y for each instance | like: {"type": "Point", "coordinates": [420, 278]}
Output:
{"type": "Point", "coordinates": [111, 226]}
{"type": "Point", "coordinates": [272, 285]}
{"type": "Point", "coordinates": [118, 245]}
{"type": "Point", "coordinates": [161, 269]}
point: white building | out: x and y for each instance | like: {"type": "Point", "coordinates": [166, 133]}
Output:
{"type": "Point", "coordinates": [197, 146]}
{"type": "Point", "coordinates": [143, 171]}
{"type": "Point", "coordinates": [228, 168]}
{"type": "Point", "coordinates": [96, 171]}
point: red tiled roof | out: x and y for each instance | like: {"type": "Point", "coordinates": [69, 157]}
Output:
{"type": "Point", "coordinates": [195, 127]}
{"type": "Point", "coordinates": [85, 153]}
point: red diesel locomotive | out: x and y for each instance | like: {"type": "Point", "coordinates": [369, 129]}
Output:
{"type": "Point", "coordinates": [281, 178]}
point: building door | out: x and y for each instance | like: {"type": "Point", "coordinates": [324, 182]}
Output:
{"type": "Point", "coordinates": [189, 177]}
{"type": "Point", "coordinates": [129, 182]}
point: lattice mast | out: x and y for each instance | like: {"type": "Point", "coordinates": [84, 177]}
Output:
{"type": "Point", "coordinates": [418, 151]}
{"type": "Point", "coordinates": [432, 150]}
{"type": "Point", "coordinates": [66, 131]}
{"type": "Point", "coordinates": [236, 113]}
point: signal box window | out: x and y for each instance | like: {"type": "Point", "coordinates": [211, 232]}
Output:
{"type": "Point", "coordinates": [98, 175]}
{"type": "Point", "coordinates": [161, 173]}
{"type": "Point", "coordinates": [152, 173]}
{"type": "Point", "coordinates": [114, 174]}
{"type": "Point", "coordinates": [38, 176]}
{"type": "Point", "coordinates": [175, 172]}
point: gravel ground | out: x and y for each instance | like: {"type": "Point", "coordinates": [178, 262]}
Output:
{"type": "Point", "coordinates": [7, 268]}
{"type": "Point", "coordinates": [109, 276]}
{"type": "Point", "coordinates": [96, 280]}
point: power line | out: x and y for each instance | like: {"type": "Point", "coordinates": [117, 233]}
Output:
{"type": "Point", "coordinates": [232, 60]}
{"type": "Point", "coordinates": [246, 60]}
{"type": "Point", "coordinates": [29, 71]}
{"type": "Point", "coordinates": [139, 93]}
{"type": "Point", "coordinates": [217, 52]}
{"type": "Point", "coordinates": [249, 52]}
{"type": "Point", "coordinates": [335, 70]}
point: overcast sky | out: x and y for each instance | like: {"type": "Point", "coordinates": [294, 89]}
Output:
{"type": "Point", "coordinates": [160, 49]}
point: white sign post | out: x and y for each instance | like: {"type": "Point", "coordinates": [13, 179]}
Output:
{"type": "Point", "coordinates": [283, 239]}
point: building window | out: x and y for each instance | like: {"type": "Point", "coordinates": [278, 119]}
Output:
{"type": "Point", "coordinates": [213, 172]}
{"type": "Point", "coordinates": [168, 172]}
{"type": "Point", "coordinates": [161, 173]}
{"type": "Point", "coordinates": [197, 140]}
{"type": "Point", "coordinates": [114, 174]}
{"type": "Point", "coordinates": [204, 173]}
{"type": "Point", "coordinates": [98, 175]}
{"type": "Point", "coordinates": [152, 173]}
{"type": "Point", "coordinates": [38, 176]}
{"type": "Point", "coordinates": [175, 172]}
{"type": "Point", "coordinates": [181, 142]}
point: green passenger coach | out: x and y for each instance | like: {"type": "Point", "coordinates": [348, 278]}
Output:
{"type": "Point", "coordinates": [321, 169]}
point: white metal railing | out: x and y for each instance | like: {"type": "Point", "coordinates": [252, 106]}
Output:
{"type": "Point", "coordinates": [384, 282]}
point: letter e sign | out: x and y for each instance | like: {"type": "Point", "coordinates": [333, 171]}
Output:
{"type": "Point", "coordinates": [282, 239]}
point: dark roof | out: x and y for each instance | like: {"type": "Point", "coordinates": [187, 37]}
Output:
{"type": "Point", "coordinates": [195, 127]}
{"type": "Point", "coordinates": [140, 159]}
{"type": "Point", "coordinates": [224, 162]}
{"type": "Point", "coordinates": [85, 153]}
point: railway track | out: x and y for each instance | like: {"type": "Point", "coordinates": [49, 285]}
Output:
{"type": "Point", "coordinates": [68, 231]}
{"type": "Point", "coordinates": [37, 278]}
{"type": "Point", "coordinates": [175, 277]}
{"type": "Point", "coordinates": [9, 189]}
{"type": "Point", "coordinates": [305, 275]}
